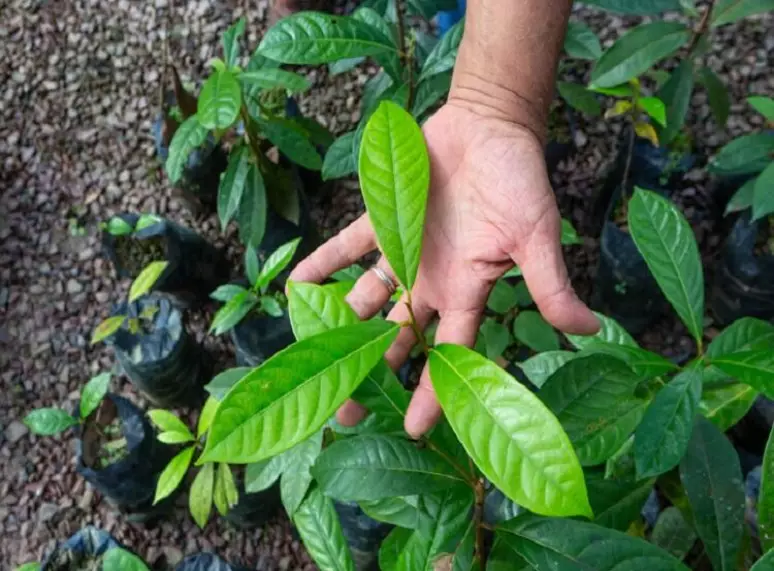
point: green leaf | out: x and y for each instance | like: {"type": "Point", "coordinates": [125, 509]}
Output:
{"type": "Point", "coordinates": [391, 548]}
{"type": "Point", "coordinates": [748, 154]}
{"type": "Point", "coordinates": [765, 563]}
{"type": "Point", "coordinates": [189, 135]}
{"type": "Point", "coordinates": [174, 437]}
{"type": "Point", "coordinates": [663, 435]}
{"type": "Point", "coordinates": [222, 383]}
{"type": "Point", "coordinates": [430, 92]}
{"type": "Point", "coordinates": [295, 392]}
{"type": "Point", "coordinates": [225, 495]}
{"type": "Point", "coordinates": [637, 51]}
{"type": "Point", "coordinates": [580, 98]}
{"type": "Point", "coordinates": [742, 198]}
{"type": "Point", "coordinates": [654, 108]}
{"type": "Point", "coordinates": [319, 528]}
{"type": "Point", "coordinates": [93, 392]}
{"type": "Point", "coordinates": [581, 42]}
{"type": "Point", "coordinates": [233, 312]}
{"type": "Point", "coordinates": [373, 92]}
{"type": "Point", "coordinates": [763, 195]}
{"type": "Point", "coordinates": [261, 475]}
{"type": "Point", "coordinates": [570, 545]}
{"type": "Point", "coordinates": [502, 298]}
{"type": "Point", "coordinates": [206, 416]}
{"type": "Point", "coordinates": [532, 330]}
{"type": "Point", "coordinates": [712, 478]}
{"type": "Point", "coordinates": [292, 142]}
{"type": "Point", "coordinates": [644, 363]}
{"type": "Point", "coordinates": [273, 78]}
{"type": "Point", "coordinates": [31, 566]}
{"type": "Point", "coordinates": [717, 93]}
{"type": "Point", "coordinates": [118, 227]}
{"type": "Point", "coordinates": [665, 239]}
{"type": "Point", "coordinates": [227, 291]}
{"type": "Point", "coordinates": [49, 421]}
{"type": "Point", "coordinates": [344, 65]}
{"type": "Point", "coordinates": [270, 306]}
{"type": "Point", "coordinates": [729, 11]}
{"type": "Point", "coordinates": [641, 7]}
{"type": "Point", "coordinates": [314, 38]}
{"type": "Point", "coordinates": [725, 405]}
{"type": "Point", "coordinates": [252, 209]}
{"type": "Point", "coordinates": [507, 430]}
{"type": "Point", "coordinates": [219, 101]}
{"type": "Point", "coordinates": [744, 334]}
{"type": "Point", "coordinates": [610, 331]}
{"type": "Point", "coordinates": [763, 105]}
{"type": "Point", "coordinates": [231, 42]}
{"type": "Point", "coordinates": [232, 185]}
{"type": "Point", "coordinates": [754, 368]}
{"type": "Point", "coordinates": [173, 474]}
{"type": "Point", "coordinates": [444, 54]}
{"type": "Point", "coordinates": [540, 367]}
{"type": "Point", "coordinates": [107, 328]}
{"type": "Point", "coordinates": [401, 510]}
{"type": "Point", "coordinates": [200, 495]}
{"type": "Point", "coordinates": [676, 95]}
{"type": "Point", "coordinates": [118, 558]}
{"type": "Point", "coordinates": [395, 176]}
{"type": "Point", "coordinates": [389, 61]}
{"type": "Point", "coordinates": [672, 533]}
{"type": "Point", "coordinates": [617, 502]}
{"type": "Point", "coordinates": [464, 558]}
{"type": "Point", "coordinates": [168, 422]}
{"type": "Point", "coordinates": [146, 221]}
{"type": "Point", "coordinates": [297, 477]}
{"type": "Point", "coordinates": [374, 467]}
{"type": "Point", "coordinates": [339, 158]}
{"type": "Point", "coordinates": [252, 266]}
{"type": "Point", "coordinates": [277, 262]}
{"type": "Point", "coordinates": [766, 498]}
{"type": "Point", "coordinates": [495, 338]}
{"type": "Point", "coordinates": [146, 280]}
{"type": "Point", "coordinates": [523, 297]}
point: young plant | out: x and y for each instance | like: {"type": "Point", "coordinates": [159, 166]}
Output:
{"type": "Point", "coordinates": [240, 301]}
{"type": "Point", "coordinates": [140, 286]}
{"type": "Point", "coordinates": [117, 226]}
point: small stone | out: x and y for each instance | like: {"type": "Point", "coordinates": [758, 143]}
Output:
{"type": "Point", "coordinates": [47, 511]}
{"type": "Point", "coordinates": [15, 431]}
{"type": "Point", "coordinates": [172, 554]}
{"type": "Point", "coordinates": [74, 286]}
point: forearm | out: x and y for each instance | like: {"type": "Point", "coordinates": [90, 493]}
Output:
{"type": "Point", "coordinates": [507, 59]}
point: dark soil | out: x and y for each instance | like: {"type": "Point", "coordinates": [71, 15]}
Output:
{"type": "Point", "coordinates": [103, 440]}
{"type": "Point", "coordinates": [133, 254]}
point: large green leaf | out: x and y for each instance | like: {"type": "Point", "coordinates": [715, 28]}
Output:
{"type": "Point", "coordinates": [665, 239]}
{"type": "Point", "coordinates": [392, 547]}
{"type": "Point", "coordinates": [766, 498]}
{"type": "Point", "coordinates": [640, 7]}
{"type": "Point", "coordinates": [717, 93]}
{"type": "Point", "coordinates": [644, 363]}
{"type": "Point", "coordinates": [511, 436]}
{"type": "Point", "coordinates": [319, 528]}
{"type": "Point", "coordinates": [712, 478]}
{"type": "Point", "coordinates": [672, 533]}
{"type": "Point", "coordinates": [676, 95]}
{"type": "Point", "coordinates": [610, 331]}
{"type": "Point", "coordinates": [292, 394]}
{"type": "Point", "coordinates": [748, 154]}
{"type": "Point", "coordinates": [617, 502]}
{"type": "Point", "coordinates": [580, 98]}
{"type": "Point", "coordinates": [314, 38]}
{"type": "Point", "coordinates": [444, 54]}
{"type": "Point", "coordinates": [219, 101]}
{"type": "Point", "coordinates": [92, 394]}
{"type": "Point", "coordinates": [297, 476]}
{"type": "Point", "coordinates": [395, 175]}
{"type": "Point", "coordinates": [292, 142]}
{"type": "Point", "coordinates": [401, 510]}
{"type": "Point", "coordinates": [532, 330]}
{"type": "Point", "coordinates": [744, 334]}
{"type": "Point", "coordinates": [373, 467]}
{"type": "Point", "coordinates": [49, 421]}
{"type": "Point", "coordinates": [637, 51]}
{"type": "Point", "coordinates": [763, 195]}
{"type": "Point", "coordinates": [742, 198]}
{"type": "Point", "coordinates": [540, 367]}
{"type": "Point", "coordinates": [339, 158]}
{"type": "Point", "coordinates": [754, 368]}
{"type": "Point", "coordinates": [252, 209]}
{"type": "Point", "coordinates": [725, 405]}
{"type": "Point", "coordinates": [271, 78]}
{"type": "Point", "coordinates": [663, 435]}
{"type": "Point", "coordinates": [765, 563]}
{"type": "Point", "coordinates": [581, 42]}
{"type": "Point", "coordinates": [232, 184]}
{"type": "Point", "coordinates": [728, 11]}
{"type": "Point", "coordinates": [570, 545]}
{"type": "Point", "coordinates": [189, 135]}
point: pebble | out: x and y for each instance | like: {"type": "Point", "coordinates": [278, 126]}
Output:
{"type": "Point", "coordinates": [73, 286]}
{"type": "Point", "coordinates": [15, 431]}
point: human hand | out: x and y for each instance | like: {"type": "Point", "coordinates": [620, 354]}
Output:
{"type": "Point", "coordinates": [490, 205]}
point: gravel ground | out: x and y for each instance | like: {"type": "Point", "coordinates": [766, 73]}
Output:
{"type": "Point", "coordinates": [80, 84]}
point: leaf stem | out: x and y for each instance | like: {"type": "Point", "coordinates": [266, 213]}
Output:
{"type": "Point", "coordinates": [478, 521]}
{"type": "Point", "coordinates": [410, 66]}
{"type": "Point", "coordinates": [401, 27]}
{"type": "Point", "coordinates": [469, 478]}
{"type": "Point", "coordinates": [702, 27]}
{"type": "Point", "coordinates": [421, 339]}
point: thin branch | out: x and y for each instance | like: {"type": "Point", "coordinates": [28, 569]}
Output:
{"type": "Point", "coordinates": [421, 339]}
{"type": "Point", "coordinates": [401, 27]}
{"type": "Point", "coordinates": [702, 27]}
{"type": "Point", "coordinates": [478, 521]}
{"type": "Point", "coordinates": [470, 478]}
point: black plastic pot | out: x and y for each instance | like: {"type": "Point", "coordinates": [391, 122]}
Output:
{"type": "Point", "coordinates": [195, 269]}
{"type": "Point", "coordinates": [129, 483]}
{"type": "Point", "coordinates": [364, 535]}
{"type": "Point", "coordinates": [254, 510]}
{"type": "Point", "coordinates": [256, 338]}
{"type": "Point", "coordinates": [162, 360]}
{"type": "Point", "coordinates": [206, 562]}
{"type": "Point", "coordinates": [88, 544]}
{"type": "Point", "coordinates": [744, 281]}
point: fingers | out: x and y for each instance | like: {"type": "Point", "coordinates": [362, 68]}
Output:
{"type": "Point", "coordinates": [399, 351]}
{"type": "Point", "coordinates": [458, 327]}
{"type": "Point", "coordinates": [542, 265]}
{"type": "Point", "coordinates": [350, 413]}
{"type": "Point", "coordinates": [343, 250]}
{"type": "Point", "coordinates": [370, 293]}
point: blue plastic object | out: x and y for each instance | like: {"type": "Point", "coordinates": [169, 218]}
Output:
{"type": "Point", "coordinates": [447, 19]}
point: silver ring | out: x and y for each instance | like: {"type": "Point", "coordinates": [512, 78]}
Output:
{"type": "Point", "coordinates": [391, 286]}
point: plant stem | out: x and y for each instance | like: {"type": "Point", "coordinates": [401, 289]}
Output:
{"type": "Point", "coordinates": [401, 28]}
{"type": "Point", "coordinates": [702, 28]}
{"type": "Point", "coordinates": [421, 339]}
{"type": "Point", "coordinates": [410, 66]}
{"type": "Point", "coordinates": [478, 521]}
{"type": "Point", "coordinates": [470, 478]}
{"type": "Point", "coordinates": [252, 139]}
{"type": "Point", "coordinates": [628, 165]}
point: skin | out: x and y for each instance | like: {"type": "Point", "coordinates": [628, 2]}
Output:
{"type": "Point", "coordinates": [490, 202]}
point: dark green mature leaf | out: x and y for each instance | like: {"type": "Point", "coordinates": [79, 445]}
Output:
{"type": "Point", "coordinates": [502, 298]}
{"type": "Point", "coordinates": [173, 474]}
{"type": "Point", "coordinates": [219, 101]}
{"type": "Point", "coordinates": [93, 392]}
{"type": "Point", "coordinates": [571, 545]}
{"type": "Point", "coordinates": [532, 330]}
{"type": "Point", "coordinates": [580, 98]}
{"type": "Point", "coordinates": [232, 184]}
{"type": "Point", "coordinates": [744, 334]}
{"type": "Point", "coordinates": [672, 533]}
{"type": "Point", "coordinates": [401, 510]}
{"type": "Point", "coordinates": [295, 392]}
{"type": "Point", "coordinates": [581, 42]}
{"type": "Point", "coordinates": [763, 193]}
{"type": "Point", "coordinates": [763, 105]}
{"type": "Point", "coordinates": [640, 7]}
{"type": "Point", "coordinates": [766, 498]}
{"type": "Point", "coordinates": [272, 78]}
{"type": "Point", "coordinates": [712, 478]}
{"type": "Point", "coordinates": [463, 558]}
{"type": "Point", "coordinates": [252, 209]}
{"type": "Point", "coordinates": [252, 266]}
{"type": "Point", "coordinates": [663, 435]}
{"type": "Point", "coordinates": [507, 430]}
{"type": "Point", "coordinates": [314, 38]}
{"type": "Point", "coordinates": [728, 11]}
{"type": "Point", "coordinates": [297, 476]}
{"type": "Point", "coordinates": [389, 61]}
{"type": "Point", "coordinates": [200, 495]}
{"type": "Point", "coordinates": [344, 65]}
{"type": "Point", "coordinates": [676, 95]}
{"type": "Point", "coordinates": [765, 563]}
{"type": "Point", "coordinates": [444, 54]}
{"type": "Point", "coordinates": [374, 467]}
{"type": "Point", "coordinates": [717, 93]}
{"type": "Point", "coordinates": [725, 405]}
{"type": "Point", "coordinates": [231, 42]}
{"type": "Point", "coordinates": [644, 363]}
{"type": "Point", "coordinates": [610, 331]}
{"type": "Point", "coordinates": [495, 338]}
{"type": "Point", "coordinates": [665, 239]}
{"type": "Point", "coordinates": [395, 176]}
{"type": "Point", "coordinates": [391, 548]}
{"type": "Point", "coordinates": [637, 51]}
{"type": "Point", "coordinates": [617, 502]}
{"type": "Point", "coordinates": [49, 421]}
{"type": "Point", "coordinates": [754, 368]}
{"type": "Point", "coordinates": [292, 142]}
{"type": "Point", "coordinates": [430, 92]}
{"type": "Point", "coordinates": [117, 559]}
{"type": "Point", "coordinates": [742, 198]}
{"type": "Point", "coordinates": [540, 367]}
{"type": "Point", "coordinates": [189, 135]}
{"type": "Point", "coordinates": [339, 159]}
{"type": "Point", "coordinates": [318, 525]}
{"type": "Point", "coordinates": [748, 154]}
{"type": "Point", "coordinates": [373, 92]}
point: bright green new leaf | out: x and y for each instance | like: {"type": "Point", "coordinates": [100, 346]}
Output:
{"type": "Point", "coordinates": [729, 11]}
{"type": "Point", "coordinates": [637, 51]}
{"type": "Point", "coordinates": [200, 495]}
{"type": "Point", "coordinates": [31, 566]}
{"type": "Point", "coordinates": [610, 331]}
{"type": "Point", "coordinates": [392, 546]}
{"type": "Point", "coordinates": [295, 392]}
{"type": "Point", "coordinates": [640, 7]}
{"type": "Point", "coordinates": [374, 467]}
{"type": "Point", "coordinates": [511, 436]}
{"type": "Point", "coordinates": [763, 193]}
{"type": "Point", "coordinates": [232, 185]}
{"type": "Point", "coordinates": [146, 221]}
{"type": "Point", "coordinates": [315, 38]}
{"type": "Point", "coordinates": [233, 312]}
{"type": "Point", "coordinates": [754, 368]}
{"type": "Point", "coordinates": [189, 135]}
{"type": "Point", "coordinates": [742, 198]}
{"type": "Point", "coordinates": [748, 154]}
{"type": "Point", "coordinates": [672, 533]}
{"type": "Point", "coordinates": [765, 563]}
{"type": "Point", "coordinates": [227, 291]}
{"type": "Point", "coordinates": [339, 160]}
{"type": "Point", "coordinates": [430, 92]}
{"type": "Point", "coordinates": [93, 392]}
{"type": "Point", "coordinates": [665, 239]}
{"type": "Point", "coordinates": [532, 330]}
{"type": "Point", "coordinates": [121, 559]}
{"type": "Point", "coordinates": [174, 437]}
{"type": "Point", "coordinates": [444, 54]}
{"type": "Point", "coordinates": [676, 95]}
{"type": "Point", "coordinates": [717, 93]}
{"type": "Point", "coordinates": [654, 108]}
{"type": "Point", "coordinates": [277, 262]}
{"type": "Point", "coordinates": [401, 510]}
{"type": "Point", "coordinates": [272, 78]}
{"type": "Point", "coordinates": [617, 502]}
{"type": "Point", "coordinates": [315, 309]}
{"type": "Point", "coordinates": [541, 366]}
{"type": "Point", "coordinates": [763, 105]}
{"type": "Point", "coordinates": [580, 98]}
{"type": "Point", "coordinates": [146, 280]}
{"type": "Point", "coordinates": [766, 498]}
{"type": "Point", "coordinates": [219, 101]}
{"type": "Point", "coordinates": [270, 306]}
{"type": "Point", "coordinates": [581, 42]}
{"type": "Point", "coordinates": [107, 328]}
{"type": "Point", "coordinates": [292, 142]}
{"type": "Point", "coordinates": [319, 528]}
{"type": "Point", "coordinates": [712, 479]}
{"type": "Point", "coordinates": [225, 495]}
{"type": "Point", "coordinates": [297, 478]}
{"type": "Point", "coordinates": [395, 176]}
{"type": "Point", "coordinates": [663, 435]}
{"type": "Point", "coordinates": [118, 227]}
{"type": "Point", "coordinates": [206, 416]}
{"type": "Point", "coordinates": [252, 209]}
{"type": "Point", "coordinates": [222, 383]}
{"type": "Point", "coordinates": [168, 422]}
{"type": "Point", "coordinates": [49, 421]}
{"type": "Point", "coordinates": [173, 474]}
{"type": "Point", "coordinates": [744, 334]}
{"type": "Point", "coordinates": [231, 42]}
